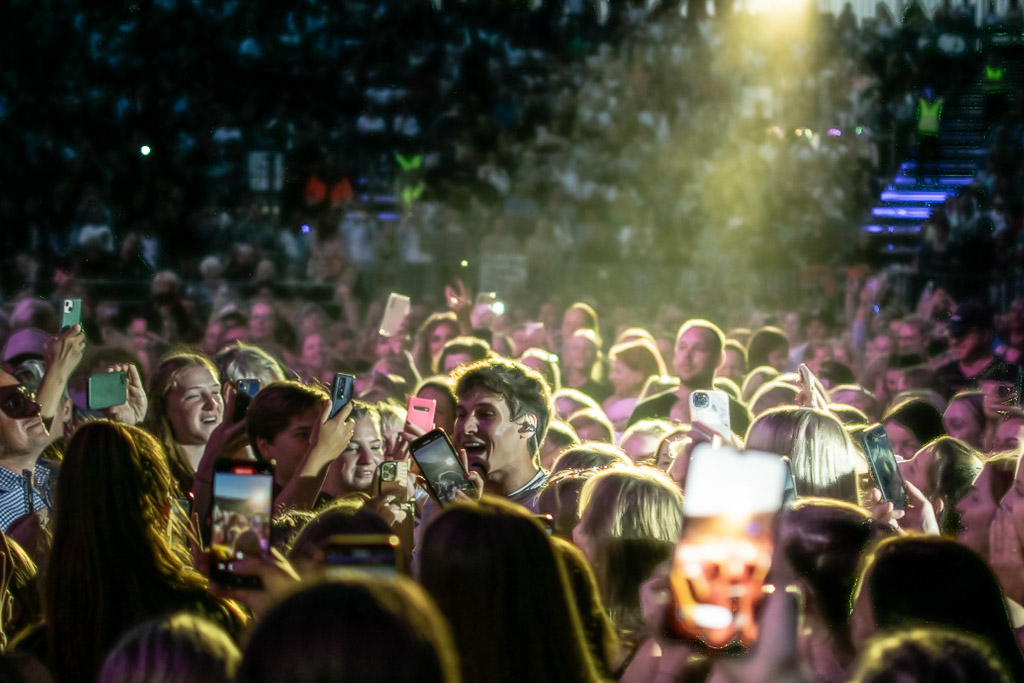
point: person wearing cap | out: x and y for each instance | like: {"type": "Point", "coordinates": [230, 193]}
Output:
{"type": "Point", "coordinates": [970, 330]}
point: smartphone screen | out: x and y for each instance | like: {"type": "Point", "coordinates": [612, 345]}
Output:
{"type": "Point", "coordinates": [711, 407]}
{"type": "Point", "coordinates": [342, 388]}
{"type": "Point", "coordinates": [71, 313]}
{"type": "Point", "coordinates": [883, 466]}
{"type": "Point", "coordinates": [420, 412]}
{"type": "Point", "coordinates": [394, 313]}
{"type": "Point", "coordinates": [242, 500]}
{"type": "Point", "coordinates": [440, 466]}
{"type": "Point", "coordinates": [107, 390]}
{"type": "Point", "coordinates": [721, 561]}
{"type": "Point", "coordinates": [246, 390]}
{"type": "Point", "coordinates": [375, 554]}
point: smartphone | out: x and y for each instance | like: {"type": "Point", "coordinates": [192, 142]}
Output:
{"type": "Point", "coordinates": [342, 388]}
{"type": "Point", "coordinates": [883, 466]}
{"type": "Point", "coordinates": [71, 313]}
{"type": "Point", "coordinates": [243, 492]}
{"type": "Point", "coordinates": [420, 412]}
{"type": "Point", "coordinates": [246, 390]}
{"type": "Point", "coordinates": [376, 554]}
{"type": "Point", "coordinates": [440, 466]}
{"type": "Point", "coordinates": [711, 407]}
{"type": "Point", "coordinates": [107, 389]}
{"type": "Point", "coordinates": [393, 479]}
{"type": "Point", "coordinates": [722, 559]}
{"type": "Point", "coordinates": [812, 385]}
{"type": "Point", "coordinates": [394, 313]}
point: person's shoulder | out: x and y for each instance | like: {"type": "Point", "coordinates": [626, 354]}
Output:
{"type": "Point", "coordinates": [657, 406]}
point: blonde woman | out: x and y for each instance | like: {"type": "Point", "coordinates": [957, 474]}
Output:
{"type": "Point", "coordinates": [824, 460]}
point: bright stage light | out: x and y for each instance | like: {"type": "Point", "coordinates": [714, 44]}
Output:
{"type": "Point", "coordinates": [144, 150]}
{"type": "Point", "coordinates": [772, 6]}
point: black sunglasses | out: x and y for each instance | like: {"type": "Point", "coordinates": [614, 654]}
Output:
{"type": "Point", "coordinates": [17, 402]}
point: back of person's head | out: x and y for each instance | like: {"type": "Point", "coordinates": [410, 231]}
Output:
{"type": "Point", "coordinates": [918, 416]}
{"type": "Point", "coordinates": [182, 648]}
{"type": "Point", "coordinates": [546, 363]}
{"type": "Point", "coordinates": [591, 455]}
{"type": "Point", "coordinates": [728, 386]}
{"type": "Point", "coordinates": [117, 514]}
{"type": "Point", "coordinates": [274, 407]}
{"type": "Point", "coordinates": [849, 415]}
{"type": "Point", "coordinates": [473, 348]}
{"type": "Point", "coordinates": [352, 631]}
{"type": "Point", "coordinates": [629, 523]}
{"type": "Point", "coordinates": [820, 451]}
{"type": "Point", "coordinates": [858, 397]}
{"type": "Point", "coordinates": [468, 551]}
{"type": "Point", "coordinates": [929, 580]}
{"type": "Point", "coordinates": [525, 392]}
{"type": "Point", "coordinates": [824, 540]}
{"type": "Point", "coordinates": [592, 425]}
{"type": "Point", "coordinates": [560, 498]}
{"type": "Point", "coordinates": [640, 440]}
{"type": "Point", "coordinates": [834, 373]}
{"type": "Point", "coordinates": [950, 473]}
{"type": "Point", "coordinates": [765, 343]}
{"type": "Point", "coordinates": [598, 628]}
{"type": "Point", "coordinates": [639, 355]}
{"type": "Point", "coordinates": [245, 361]}
{"type": "Point", "coordinates": [755, 379]}
{"type": "Point", "coordinates": [346, 515]}
{"type": "Point", "coordinates": [773, 394]}
{"type": "Point", "coordinates": [560, 436]}
{"type": "Point", "coordinates": [567, 401]}
{"type": "Point", "coordinates": [929, 654]}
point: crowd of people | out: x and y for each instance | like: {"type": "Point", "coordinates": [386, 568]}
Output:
{"type": "Point", "coordinates": [554, 556]}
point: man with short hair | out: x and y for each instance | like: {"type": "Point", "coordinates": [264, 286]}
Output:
{"type": "Point", "coordinates": [23, 437]}
{"type": "Point", "coordinates": [698, 355]}
{"type": "Point", "coordinates": [970, 331]}
{"type": "Point", "coordinates": [912, 336]}
{"type": "Point", "coordinates": [500, 421]}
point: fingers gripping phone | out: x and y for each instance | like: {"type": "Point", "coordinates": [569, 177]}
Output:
{"type": "Point", "coordinates": [440, 466]}
{"type": "Point", "coordinates": [393, 479]}
{"type": "Point", "coordinates": [342, 388]}
{"type": "Point", "coordinates": [883, 466]}
{"type": "Point", "coordinates": [107, 390]}
{"type": "Point", "coordinates": [242, 507]}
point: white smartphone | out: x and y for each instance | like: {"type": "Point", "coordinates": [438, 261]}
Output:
{"type": "Point", "coordinates": [394, 313]}
{"type": "Point", "coordinates": [711, 407]}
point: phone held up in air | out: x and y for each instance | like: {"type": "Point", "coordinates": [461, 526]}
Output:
{"type": "Point", "coordinates": [378, 555]}
{"type": "Point", "coordinates": [440, 466]}
{"type": "Point", "coordinates": [246, 390]}
{"type": "Point", "coordinates": [711, 407]}
{"type": "Point", "coordinates": [420, 412]}
{"type": "Point", "coordinates": [884, 469]}
{"type": "Point", "coordinates": [71, 313]}
{"type": "Point", "coordinates": [107, 389]}
{"type": "Point", "coordinates": [394, 314]}
{"type": "Point", "coordinates": [393, 479]}
{"type": "Point", "coordinates": [342, 387]}
{"type": "Point", "coordinates": [717, 578]}
{"type": "Point", "coordinates": [243, 492]}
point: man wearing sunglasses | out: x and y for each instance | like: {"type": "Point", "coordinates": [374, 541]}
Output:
{"type": "Point", "coordinates": [22, 439]}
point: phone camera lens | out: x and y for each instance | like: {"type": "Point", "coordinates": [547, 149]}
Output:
{"type": "Point", "coordinates": [701, 400]}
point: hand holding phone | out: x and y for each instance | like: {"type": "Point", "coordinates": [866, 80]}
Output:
{"type": "Point", "coordinates": [71, 313]}
{"type": "Point", "coordinates": [342, 388]}
{"type": "Point", "coordinates": [884, 469]}
{"type": "Point", "coordinates": [241, 518]}
{"type": "Point", "coordinates": [108, 389]}
{"type": "Point", "coordinates": [420, 412]}
{"type": "Point", "coordinates": [711, 408]}
{"type": "Point", "coordinates": [443, 470]}
{"type": "Point", "coordinates": [245, 391]}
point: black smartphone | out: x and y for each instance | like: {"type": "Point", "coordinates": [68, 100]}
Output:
{"type": "Point", "coordinates": [440, 466]}
{"type": "Point", "coordinates": [883, 466]}
{"type": "Point", "coordinates": [375, 554]}
{"type": "Point", "coordinates": [242, 507]}
{"type": "Point", "coordinates": [246, 389]}
{"type": "Point", "coordinates": [71, 313]}
{"type": "Point", "coordinates": [107, 390]}
{"type": "Point", "coordinates": [342, 388]}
